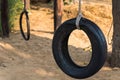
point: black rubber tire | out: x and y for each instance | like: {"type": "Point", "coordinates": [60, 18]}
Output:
{"type": "Point", "coordinates": [27, 37]}
{"type": "Point", "coordinates": [61, 53]}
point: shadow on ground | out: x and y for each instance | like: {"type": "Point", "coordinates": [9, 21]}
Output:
{"type": "Point", "coordinates": [30, 60]}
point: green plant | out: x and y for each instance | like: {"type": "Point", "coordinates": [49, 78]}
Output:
{"type": "Point", "coordinates": [15, 7]}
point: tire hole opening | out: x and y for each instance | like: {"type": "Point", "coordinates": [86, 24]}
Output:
{"type": "Point", "coordinates": [79, 47]}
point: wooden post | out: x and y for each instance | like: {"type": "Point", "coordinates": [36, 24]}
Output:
{"type": "Point", "coordinates": [58, 8]}
{"type": "Point", "coordinates": [4, 18]}
{"type": "Point", "coordinates": [115, 56]}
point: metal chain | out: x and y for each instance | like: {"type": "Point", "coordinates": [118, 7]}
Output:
{"type": "Point", "coordinates": [79, 15]}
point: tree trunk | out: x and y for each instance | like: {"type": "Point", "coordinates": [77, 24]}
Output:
{"type": "Point", "coordinates": [4, 18]}
{"type": "Point", "coordinates": [58, 8]}
{"type": "Point", "coordinates": [115, 57]}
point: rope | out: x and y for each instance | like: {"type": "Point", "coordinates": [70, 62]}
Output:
{"type": "Point", "coordinates": [79, 15]}
{"type": "Point", "coordinates": [25, 5]}
{"type": "Point", "coordinates": [79, 7]}
{"type": "Point", "coordinates": [108, 34]}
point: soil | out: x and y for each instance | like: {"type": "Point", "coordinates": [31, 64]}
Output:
{"type": "Point", "coordinates": [33, 59]}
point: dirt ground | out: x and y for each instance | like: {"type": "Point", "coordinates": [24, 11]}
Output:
{"type": "Point", "coordinates": [33, 59]}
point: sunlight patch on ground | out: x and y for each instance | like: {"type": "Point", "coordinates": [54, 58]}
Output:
{"type": "Point", "coordinates": [8, 47]}
{"type": "Point", "coordinates": [44, 73]}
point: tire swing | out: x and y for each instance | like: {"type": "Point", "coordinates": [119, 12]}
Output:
{"type": "Point", "coordinates": [25, 12]}
{"type": "Point", "coordinates": [61, 53]}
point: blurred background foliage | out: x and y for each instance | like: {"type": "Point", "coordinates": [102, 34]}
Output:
{"type": "Point", "coordinates": [15, 7]}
